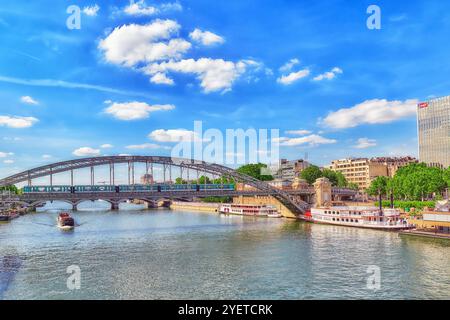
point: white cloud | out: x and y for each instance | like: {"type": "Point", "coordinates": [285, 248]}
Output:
{"type": "Point", "coordinates": [17, 122]}
{"type": "Point", "coordinates": [364, 143]}
{"type": "Point", "coordinates": [132, 44]}
{"type": "Point", "coordinates": [312, 140]}
{"type": "Point", "coordinates": [173, 135]}
{"type": "Point", "coordinates": [206, 38]}
{"type": "Point", "coordinates": [46, 156]}
{"type": "Point", "coordinates": [28, 100]}
{"type": "Point", "coordinates": [214, 74]}
{"type": "Point", "coordinates": [289, 65]}
{"type": "Point", "coordinates": [161, 78]}
{"type": "Point", "coordinates": [298, 132]}
{"type": "Point", "coordinates": [146, 146]}
{"type": "Point", "coordinates": [8, 161]}
{"type": "Point", "coordinates": [124, 154]}
{"type": "Point", "coordinates": [293, 77]}
{"type": "Point", "coordinates": [106, 146]}
{"type": "Point", "coordinates": [140, 8]}
{"type": "Point", "coordinates": [91, 10]}
{"type": "Point", "coordinates": [371, 112]}
{"type": "Point", "coordinates": [135, 110]}
{"type": "Point", "coordinates": [329, 75]}
{"type": "Point", "coordinates": [5, 154]}
{"type": "Point", "coordinates": [86, 151]}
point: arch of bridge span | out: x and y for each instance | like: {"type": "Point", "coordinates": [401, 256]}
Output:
{"type": "Point", "coordinates": [190, 164]}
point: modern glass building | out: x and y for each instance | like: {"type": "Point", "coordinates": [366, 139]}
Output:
{"type": "Point", "coordinates": [433, 121]}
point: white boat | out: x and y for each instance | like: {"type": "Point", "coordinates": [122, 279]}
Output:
{"type": "Point", "coordinates": [249, 210]}
{"type": "Point", "coordinates": [362, 217]}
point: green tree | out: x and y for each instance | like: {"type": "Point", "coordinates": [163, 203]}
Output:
{"type": "Point", "coordinates": [311, 174]}
{"type": "Point", "coordinates": [254, 170]}
{"type": "Point", "coordinates": [204, 180]}
{"type": "Point", "coordinates": [379, 185]}
{"type": "Point", "coordinates": [180, 181]}
{"type": "Point", "coordinates": [12, 188]}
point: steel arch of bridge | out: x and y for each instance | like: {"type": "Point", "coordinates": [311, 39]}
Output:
{"type": "Point", "coordinates": [191, 164]}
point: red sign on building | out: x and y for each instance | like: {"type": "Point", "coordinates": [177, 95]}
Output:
{"type": "Point", "coordinates": [423, 105]}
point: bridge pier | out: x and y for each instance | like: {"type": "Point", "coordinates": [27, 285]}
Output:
{"type": "Point", "coordinates": [114, 206]}
{"type": "Point", "coordinates": [74, 207]}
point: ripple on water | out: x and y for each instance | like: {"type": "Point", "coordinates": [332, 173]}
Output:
{"type": "Point", "coordinates": [180, 255]}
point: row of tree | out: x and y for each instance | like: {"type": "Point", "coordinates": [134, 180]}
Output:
{"type": "Point", "coordinates": [416, 181]}
{"type": "Point", "coordinates": [337, 179]}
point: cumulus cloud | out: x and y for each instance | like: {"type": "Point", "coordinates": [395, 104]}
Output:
{"type": "Point", "coordinates": [312, 140]}
{"type": "Point", "coordinates": [140, 8]}
{"type": "Point", "coordinates": [106, 146]}
{"type": "Point", "coordinates": [146, 146]}
{"type": "Point", "coordinates": [364, 143]}
{"type": "Point", "coordinates": [86, 151]}
{"type": "Point", "coordinates": [173, 135]}
{"type": "Point", "coordinates": [214, 74]}
{"type": "Point", "coordinates": [28, 100]}
{"type": "Point", "coordinates": [135, 110]}
{"type": "Point", "coordinates": [298, 132]}
{"type": "Point", "coordinates": [206, 38]}
{"type": "Point", "coordinates": [17, 122]}
{"type": "Point", "coordinates": [131, 44]}
{"type": "Point", "coordinates": [289, 65]}
{"type": "Point", "coordinates": [9, 161]}
{"type": "Point", "coordinates": [46, 156]}
{"type": "Point", "coordinates": [5, 154]}
{"type": "Point", "coordinates": [161, 78]}
{"type": "Point", "coordinates": [329, 74]}
{"type": "Point", "coordinates": [293, 77]}
{"type": "Point", "coordinates": [374, 111]}
{"type": "Point", "coordinates": [91, 10]}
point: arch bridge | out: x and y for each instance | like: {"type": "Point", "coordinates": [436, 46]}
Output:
{"type": "Point", "coordinates": [186, 166]}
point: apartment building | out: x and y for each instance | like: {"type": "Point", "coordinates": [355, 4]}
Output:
{"type": "Point", "coordinates": [290, 169]}
{"type": "Point", "coordinates": [362, 171]}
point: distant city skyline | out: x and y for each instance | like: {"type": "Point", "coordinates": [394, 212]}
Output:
{"type": "Point", "coordinates": [138, 74]}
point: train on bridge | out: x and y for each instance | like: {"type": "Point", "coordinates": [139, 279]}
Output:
{"type": "Point", "coordinates": [128, 188]}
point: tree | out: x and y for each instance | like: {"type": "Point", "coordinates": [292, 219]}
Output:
{"type": "Point", "coordinates": [311, 174]}
{"type": "Point", "coordinates": [12, 188]}
{"type": "Point", "coordinates": [254, 170]}
{"type": "Point", "coordinates": [180, 181]}
{"type": "Point", "coordinates": [379, 186]}
{"type": "Point", "coordinates": [203, 180]}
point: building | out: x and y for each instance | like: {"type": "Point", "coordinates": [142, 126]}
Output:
{"type": "Point", "coordinates": [394, 163]}
{"type": "Point", "coordinates": [433, 122]}
{"type": "Point", "coordinates": [289, 170]}
{"type": "Point", "coordinates": [362, 171]}
{"type": "Point", "coordinates": [437, 220]}
{"type": "Point", "coordinates": [147, 179]}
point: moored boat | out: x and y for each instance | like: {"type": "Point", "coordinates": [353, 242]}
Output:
{"type": "Point", "coordinates": [8, 215]}
{"type": "Point", "coordinates": [65, 221]}
{"type": "Point", "coordinates": [362, 217]}
{"type": "Point", "coordinates": [249, 210]}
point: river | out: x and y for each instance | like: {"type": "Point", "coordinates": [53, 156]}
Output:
{"type": "Point", "coordinates": [164, 254]}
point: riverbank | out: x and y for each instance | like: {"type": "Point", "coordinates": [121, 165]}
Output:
{"type": "Point", "coordinates": [425, 234]}
{"type": "Point", "coordinates": [195, 206]}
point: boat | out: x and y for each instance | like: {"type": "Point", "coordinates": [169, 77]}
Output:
{"type": "Point", "coordinates": [362, 217]}
{"type": "Point", "coordinates": [249, 210]}
{"type": "Point", "coordinates": [65, 222]}
{"type": "Point", "coordinates": [6, 216]}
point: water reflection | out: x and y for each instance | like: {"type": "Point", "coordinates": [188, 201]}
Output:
{"type": "Point", "coordinates": [161, 254]}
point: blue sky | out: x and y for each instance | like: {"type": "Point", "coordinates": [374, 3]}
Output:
{"type": "Point", "coordinates": [134, 69]}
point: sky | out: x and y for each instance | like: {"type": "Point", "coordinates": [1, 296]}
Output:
{"type": "Point", "coordinates": [135, 75]}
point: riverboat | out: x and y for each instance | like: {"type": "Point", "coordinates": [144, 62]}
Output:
{"type": "Point", "coordinates": [362, 217]}
{"type": "Point", "coordinates": [65, 222]}
{"type": "Point", "coordinates": [249, 210]}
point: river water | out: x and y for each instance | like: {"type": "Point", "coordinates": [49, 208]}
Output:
{"type": "Point", "coordinates": [164, 254]}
